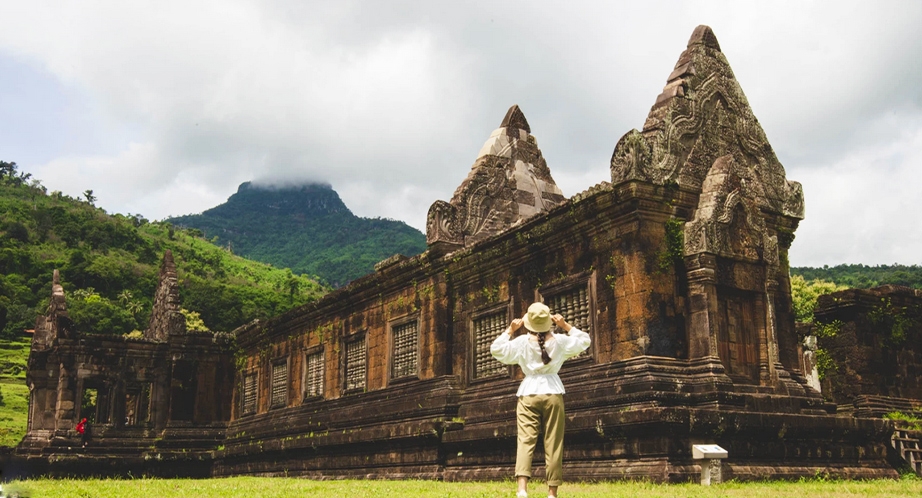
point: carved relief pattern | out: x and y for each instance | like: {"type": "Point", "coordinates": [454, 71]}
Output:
{"type": "Point", "coordinates": [771, 256]}
{"type": "Point", "coordinates": [442, 224]}
{"type": "Point", "coordinates": [632, 157]}
{"type": "Point", "coordinates": [701, 115]}
{"type": "Point", "coordinates": [165, 315]}
{"type": "Point", "coordinates": [509, 182]}
{"type": "Point", "coordinates": [728, 221]}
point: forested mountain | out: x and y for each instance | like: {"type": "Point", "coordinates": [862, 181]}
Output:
{"type": "Point", "coordinates": [306, 228]}
{"type": "Point", "coordinates": [109, 266]}
{"type": "Point", "coordinates": [863, 276]}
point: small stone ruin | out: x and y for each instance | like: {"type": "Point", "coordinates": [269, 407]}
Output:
{"type": "Point", "coordinates": [872, 340]}
{"type": "Point", "coordinates": [677, 268]}
{"type": "Point", "coordinates": [157, 405]}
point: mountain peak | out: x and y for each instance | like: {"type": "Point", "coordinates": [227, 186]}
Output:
{"type": "Point", "coordinates": [305, 227]}
{"type": "Point", "coordinates": [308, 200]}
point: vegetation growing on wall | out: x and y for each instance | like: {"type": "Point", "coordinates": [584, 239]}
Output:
{"type": "Point", "coordinates": [824, 360]}
{"type": "Point", "coordinates": [911, 421]}
{"type": "Point", "coordinates": [893, 321]}
{"type": "Point", "coordinates": [674, 251]}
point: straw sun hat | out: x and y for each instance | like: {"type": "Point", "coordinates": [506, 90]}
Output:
{"type": "Point", "coordinates": [538, 318]}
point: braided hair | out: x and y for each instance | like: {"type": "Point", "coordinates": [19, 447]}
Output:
{"type": "Point", "coordinates": [542, 336]}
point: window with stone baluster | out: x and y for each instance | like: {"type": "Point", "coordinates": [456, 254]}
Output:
{"type": "Point", "coordinates": [486, 327]}
{"type": "Point", "coordinates": [279, 389]}
{"type": "Point", "coordinates": [405, 349]}
{"type": "Point", "coordinates": [313, 373]}
{"type": "Point", "coordinates": [574, 300]}
{"type": "Point", "coordinates": [355, 364]}
{"type": "Point", "coordinates": [250, 392]}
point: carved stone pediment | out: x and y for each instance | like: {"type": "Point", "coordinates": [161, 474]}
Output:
{"type": "Point", "coordinates": [509, 182]}
{"type": "Point", "coordinates": [728, 221]}
{"type": "Point", "coordinates": [701, 115]}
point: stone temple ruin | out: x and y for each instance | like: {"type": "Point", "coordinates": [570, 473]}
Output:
{"type": "Point", "coordinates": [155, 404]}
{"type": "Point", "coordinates": [677, 268]}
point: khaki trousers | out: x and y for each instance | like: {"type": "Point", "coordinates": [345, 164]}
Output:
{"type": "Point", "coordinates": [540, 413]}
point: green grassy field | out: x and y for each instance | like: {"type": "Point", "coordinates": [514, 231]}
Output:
{"type": "Point", "coordinates": [286, 487]}
{"type": "Point", "coordinates": [15, 406]}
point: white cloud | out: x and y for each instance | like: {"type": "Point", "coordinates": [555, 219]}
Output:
{"type": "Point", "coordinates": [863, 208]}
{"type": "Point", "coordinates": [389, 102]}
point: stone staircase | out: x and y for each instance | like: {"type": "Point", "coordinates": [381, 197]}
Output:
{"type": "Point", "coordinates": [909, 446]}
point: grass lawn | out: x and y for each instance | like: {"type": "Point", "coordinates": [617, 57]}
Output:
{"type": "Point", "coordinates": [287, 487]}
{"type": "Point", "coordinates": [13, 412]}
{"type": "Point", "coordinates": [15, 406]}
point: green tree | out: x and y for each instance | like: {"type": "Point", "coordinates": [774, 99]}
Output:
{"type": "Point", "coordinates": [864, 276]}
{"type": "Point", "coordinates": [805, 293]}
{"type": "Point", "coordinates": [125, 297]}
{"type": "Point", "coordinates": [293, 285]}
{"type": "Point", "coordinates": [95, 314]}
{"type": "Point", "coordinates": [7, 170]}
{"type": "Point", "coordinates": [194, 321]}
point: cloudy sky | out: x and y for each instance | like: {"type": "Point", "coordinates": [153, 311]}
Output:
{"type": "Point", "coordinates": [162, 108]}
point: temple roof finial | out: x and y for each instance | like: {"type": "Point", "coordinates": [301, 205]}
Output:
{"type": "Point", "coordinates": [704, 35]}
{"type": "Point", "coordinates": [509, 182]}
{"type": "Point", "coordinates": [515, 119]}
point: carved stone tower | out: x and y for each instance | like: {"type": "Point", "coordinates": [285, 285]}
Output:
{"type": "Point", "coordinates": [55, 322]}
{"type": "Point", "coordinates": [165, 316]}
{"type": "Point", "coordinates": [701, 137]}
{"type": "Point", "coordinates": [509, 182]}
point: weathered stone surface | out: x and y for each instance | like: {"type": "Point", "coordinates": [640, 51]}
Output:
{"type": "Point", "coordinates": [874, 339]}
{"type": "Point", "coordinates": [508, 183]}
{"type": "Point", "coordinates": [161, 403]}
{"type": "Point", "coordinates": [165, 315]}
{"type": "Point", "coordinates": [55, 323]}
{"type": "Point", "coordinates": [702, 115]}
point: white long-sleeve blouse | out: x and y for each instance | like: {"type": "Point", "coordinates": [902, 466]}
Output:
{"type": "Point", "coordinates": [525, 352]}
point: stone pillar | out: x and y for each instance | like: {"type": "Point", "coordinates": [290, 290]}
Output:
{"type": "Point", "coordinates": [66, 399]}
{"type": "Point", "coordinates": [773, 363]}
{"type": "Point", "coordinates": [702, 306]}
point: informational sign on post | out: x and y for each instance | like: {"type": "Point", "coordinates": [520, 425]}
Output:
{"type": "Point", "coordinates": [712, 454]}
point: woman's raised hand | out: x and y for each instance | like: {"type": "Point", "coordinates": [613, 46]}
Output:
{"type": "Point", "coordinates": [560, 322]}
{"type": "Point", "coordinates": [515, 325]}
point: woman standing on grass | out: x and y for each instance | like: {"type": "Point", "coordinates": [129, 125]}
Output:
{"type": "Point", "coordinates": [540, 354]}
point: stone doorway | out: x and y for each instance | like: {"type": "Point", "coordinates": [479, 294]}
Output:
{"type": "Point", "coordinates": [738, 335]}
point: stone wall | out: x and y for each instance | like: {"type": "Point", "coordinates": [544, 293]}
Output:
{"type": "Point", "coordinates": [873, 338]}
